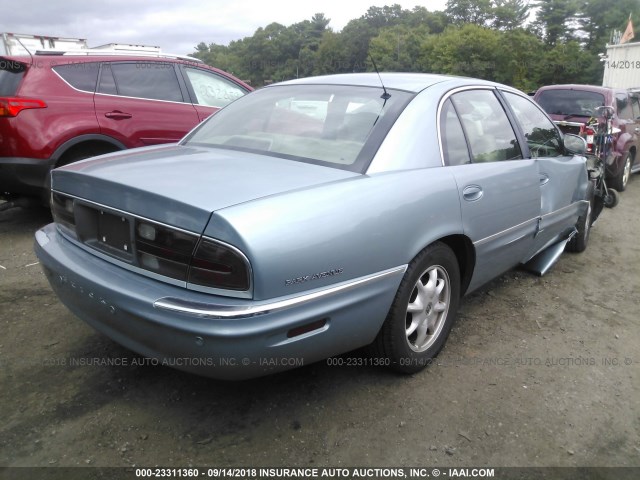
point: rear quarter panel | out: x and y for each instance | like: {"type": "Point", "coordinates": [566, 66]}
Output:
{"type": "Point", "coordinates": [69, 112]}
{"type": "Point", "coordinates": [353, 227]}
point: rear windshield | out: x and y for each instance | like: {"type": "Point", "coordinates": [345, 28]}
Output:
{"type": "Point", "coordinates": [334, 125]}
{"type": "Point", "coordinates": [577, 103]}
{"type": "Point", "coordinates": [11, 72]}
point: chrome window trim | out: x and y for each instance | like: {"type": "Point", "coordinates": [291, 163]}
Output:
{"type": "Point", "coordinates": [76, 89]}
{"type": "Point", "coordinates": [140, 98]}
{"type": "Point", "coordinates": [148, 99]}
{"type": "Point", "coordinates": [446, 96]}
{"type": "Point", "coordinates": [214, 311]}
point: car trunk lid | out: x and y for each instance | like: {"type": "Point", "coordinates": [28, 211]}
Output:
{"type": "Point", "coordinates": [182, 185]}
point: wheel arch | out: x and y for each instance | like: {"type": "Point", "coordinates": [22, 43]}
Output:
{"type": "Point", "coordinates": [101, 143]}
{"type": "Point", "coordinates": [465, 253]}
{"type": "Point", "coordinates": [633, 152]}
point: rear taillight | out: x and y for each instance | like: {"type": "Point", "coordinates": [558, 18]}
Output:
{"type": "Point", "coordinates": [62, 210]}
{"type": "Point", "coordinates": [164, 250]}
{"type": "Point", "coordinates": [12, 106]}
{"type": "Point", "coordinates": [589, 133]}
{"type": "Point", "coordinates": [157, 248]}
{"type": "Point", "coordinates": [219, 266]}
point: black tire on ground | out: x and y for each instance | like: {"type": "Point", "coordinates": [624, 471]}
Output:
{"type": "Point", "coordinates": [423, 311]}
{"type": "Point", "coordinates": [579, 241]}
{"type": "Point", "coordinates": [620, 181]}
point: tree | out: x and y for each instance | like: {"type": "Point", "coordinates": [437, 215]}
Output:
{"type": "Point", "coordinates": [566, 63]}
{"type": "Point", "coordinates": [469, 11]}
{"type": "Point", "coordinates": [598, 18]}
{"type": "Point", "coordinates": [469, 50]}
{"type": "Point", "coordinates": [554, 20]}
{"type": "Point", "coordinates": [399, 48]}
{"type": "Point", "coordinates": [509, 14]}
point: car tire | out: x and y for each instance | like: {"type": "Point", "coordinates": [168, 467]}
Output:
{"type": "Point", "coordinates": [423, 311]}
{"type": "Point", "coordinates": [579, 241]}
{"type": "Point", "coordinates": [620, 181]}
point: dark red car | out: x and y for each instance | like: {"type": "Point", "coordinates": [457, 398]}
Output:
{"type": "Point", "coordinates": [571, 107]}
{"type": "Point", "coordinates": [59, 108]}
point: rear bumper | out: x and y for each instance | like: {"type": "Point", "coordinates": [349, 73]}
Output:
{"type": "Point", "coordinates": [24, 176]}
{"type": "Point", "coordinates": [210, 335]}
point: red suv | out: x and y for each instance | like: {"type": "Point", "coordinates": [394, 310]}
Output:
{"type": "Point", "coordinates": [62, 107]}
{"type": "Point", "coordinates": [571, 107]}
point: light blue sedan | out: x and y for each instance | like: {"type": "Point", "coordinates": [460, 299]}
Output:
{"type": "Point", "coordinates": [313, 217]}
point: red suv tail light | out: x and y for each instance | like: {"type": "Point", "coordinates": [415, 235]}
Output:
{"type": "Point", "coordinates": [12, 106]}
{"type": "Point", "coordinates": [589, 133]}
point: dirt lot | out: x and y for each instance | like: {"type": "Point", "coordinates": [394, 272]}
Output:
{"type": "Point", "coordinates": [537, 372]}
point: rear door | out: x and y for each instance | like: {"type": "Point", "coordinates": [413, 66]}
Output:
{"type": "Point", "coordinates": [143, 103]}
{"type": "Point", "coordinates": [562, 177]}
{"type": "Point", "coordinates": [498, 189]}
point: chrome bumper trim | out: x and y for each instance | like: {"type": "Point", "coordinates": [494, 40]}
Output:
{"type": "Point", "coordinates": [245, 311]}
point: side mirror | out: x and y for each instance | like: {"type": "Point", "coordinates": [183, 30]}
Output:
{"type": "Point", "coordinates": [575, 144]}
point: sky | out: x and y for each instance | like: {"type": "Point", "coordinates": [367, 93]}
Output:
{"type": "Point", "coordinates": [176, 25]}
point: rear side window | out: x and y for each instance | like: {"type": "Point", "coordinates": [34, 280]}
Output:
{"type": "Point", "coordinates": [623, 106]}
{"type": "Point", "coordinates": [82, 76]}
{"type": "Point", "coordinates": [635, 106]}
{"type": "Point", "coordinates": [578, 103]}
{"type": "Point", "coordinates": [11, 72]}
{"type": "Point", "coordinates": [486, 125]}
{"type": "Point", "coordinates": [151, 80]}
{"type": "Point", "coordinates": [454, 144]}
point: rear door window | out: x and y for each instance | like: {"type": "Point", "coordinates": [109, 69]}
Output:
{"type": "Point", "coordinates": [635, 106]}
{"type": "Point", "coordinates": [150, 80]}
{"type": "Point", "coordinates": [11, 72]}
{"type": "Point", "coordinates": [623, 106]}
{"type": "Point", "coordinates": [486, 125]}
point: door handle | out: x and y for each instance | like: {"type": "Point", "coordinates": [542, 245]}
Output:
{"type": "Point", "coordinates": [117, 115]}
{"type": "Point", "coordinates": [471, 193]}
{"type": "Point", "coordinates": [544, 179]}
{"type": "Point", "coordinates": [637, 129]}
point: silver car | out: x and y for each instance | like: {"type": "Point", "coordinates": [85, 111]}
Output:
{"type": "Point", "coordinates": [313, 217]}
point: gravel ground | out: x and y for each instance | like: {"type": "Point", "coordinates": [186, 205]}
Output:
{"type": "Point", "coordinates": [537, 372]}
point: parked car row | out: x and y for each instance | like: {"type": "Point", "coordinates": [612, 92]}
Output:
{"type": "Point", "coordinates": [57, 108]}
{"type": "Point", "coordinates": [304, 220]}
{"type": "Point", "coordinates": [313, 217]}
{"type": "Point", "coordinates": [577, 108]}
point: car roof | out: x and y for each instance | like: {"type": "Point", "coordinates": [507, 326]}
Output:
{"type": "Point", "coordinates": [83, 57]}
{"type": "Point", "coordinates": [586, 88]}
{"type": "Point", "coordinates": [412, 82]}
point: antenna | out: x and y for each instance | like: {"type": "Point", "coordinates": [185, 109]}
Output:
{"type": "Point", "coordinates": [386, 95]}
